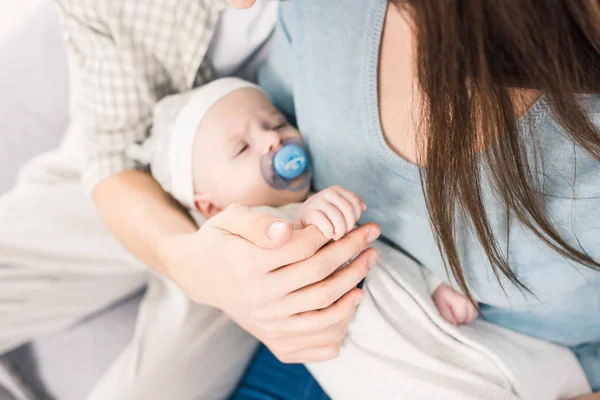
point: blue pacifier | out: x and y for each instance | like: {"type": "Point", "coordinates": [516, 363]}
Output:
{"type": "Point", "coordinates": [287, 168]}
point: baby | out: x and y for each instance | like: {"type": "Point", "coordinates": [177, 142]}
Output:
{"type": "Point", "coordinates": [226, 143]}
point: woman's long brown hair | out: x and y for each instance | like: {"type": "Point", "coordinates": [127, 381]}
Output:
{"type": "Point", "coordinates": [471, 55]}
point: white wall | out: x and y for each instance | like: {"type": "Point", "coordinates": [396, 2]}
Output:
{"type": "Point", "coordinates": [12, 13]}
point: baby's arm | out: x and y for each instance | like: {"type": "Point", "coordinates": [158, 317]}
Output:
{"type": "Point", "coordinates": [334, 211]}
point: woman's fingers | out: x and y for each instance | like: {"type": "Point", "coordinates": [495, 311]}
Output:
{"type": "Point", "coordinates": [263, 230]}
{"type": "Point", "coordinates": [324, 293]}
{"type": "Point", "coordinates": [322, 264]}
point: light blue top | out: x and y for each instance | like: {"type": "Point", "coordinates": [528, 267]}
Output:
{"type": "Point", "coordinates": [323, 72]}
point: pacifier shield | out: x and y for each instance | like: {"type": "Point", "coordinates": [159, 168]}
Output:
{"type": "Point", "coordinates": [287, 168]}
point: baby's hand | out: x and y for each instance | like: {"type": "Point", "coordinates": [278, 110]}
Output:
{"type": "Point", "coordinates": [334, 211]}
{"type": "Point", "coordinates": [454, 307]}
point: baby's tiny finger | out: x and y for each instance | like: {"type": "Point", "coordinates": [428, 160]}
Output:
{"type": "Point", "coordinates": [466, 313]}
{"type": "Point", "coordinates": [346, 208]}
{"type": "Point", "coordinates": [337, 219]}
{"type": "Point", "coordinates": [446, 313]}
{"type": "Point", "coordinates": [356, 202]}
{"type": "Point", "coordinates": [457, 316]}
{"type": "Point", "coordinates": [320, 220]}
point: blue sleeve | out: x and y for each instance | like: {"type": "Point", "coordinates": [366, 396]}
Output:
{"type": "Point", "coordinates": [276, 76]}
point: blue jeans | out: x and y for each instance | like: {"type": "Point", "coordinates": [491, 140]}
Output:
{"type": "Point", "coordinates": [269, 379]}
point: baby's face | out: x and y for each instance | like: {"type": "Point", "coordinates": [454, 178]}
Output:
{"type": "Point", "coordinates": [231, 140]}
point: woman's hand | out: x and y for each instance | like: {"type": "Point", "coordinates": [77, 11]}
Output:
{"type": "Point", "coordinates": [279, 285]}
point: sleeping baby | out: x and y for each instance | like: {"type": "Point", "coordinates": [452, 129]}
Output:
{"type": "Point", "coordinates": [225, 143]}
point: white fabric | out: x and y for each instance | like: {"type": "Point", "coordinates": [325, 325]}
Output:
{"type": "Point", "coordinates": [126, 55]}
{"type": "Point", "coordinates": [59, 264]}
{"type": "Point", "coordinates": [181, 140]}
{"type": "Point", "coordinates": [239, 34]}
{"type": "Point", "coordinates": [33, 108]}
{"type": "Point", "coordinates": [431, 280]}
{"type": "Point", "coordinates": [399, 347]}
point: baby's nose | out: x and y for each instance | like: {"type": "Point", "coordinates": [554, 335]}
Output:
{"type": "Point", "coordinates": [271, 141]}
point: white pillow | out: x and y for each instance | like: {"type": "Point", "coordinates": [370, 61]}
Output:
{"type": "Point", "coordinates": [33, 118]}
{"type": "Point", "coordinates": [33, 91]}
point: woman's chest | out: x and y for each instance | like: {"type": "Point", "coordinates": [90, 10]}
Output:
{"type": "Point", "coordinates": [338, 108]}
{"type": "Point", "coordinates": [353, 91]}
{"type": "Point", "coordinates": [338, 112]}
{"type": "Point", "coordinates": [398, 93]}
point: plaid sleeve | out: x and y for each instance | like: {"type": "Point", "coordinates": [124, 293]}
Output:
{"type": "Point", "coordinates": [125, 55]}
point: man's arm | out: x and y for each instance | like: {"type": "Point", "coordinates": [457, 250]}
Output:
{"type": "Point", "coordinates": [113, 84]}
{"type": "Point", "coordinates": [120, 69]}
{"type": "Point", "coordinates": [141, 215]}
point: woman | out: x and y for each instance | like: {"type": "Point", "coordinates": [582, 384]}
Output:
{"type": "Point", "coordinates": [471, 131]}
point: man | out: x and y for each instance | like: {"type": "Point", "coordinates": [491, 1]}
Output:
{"type": "Point", "coordinates": [59, 263]}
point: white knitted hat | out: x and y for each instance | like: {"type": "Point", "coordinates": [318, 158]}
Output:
{"type": "Point", "coordinates": [176, 121]}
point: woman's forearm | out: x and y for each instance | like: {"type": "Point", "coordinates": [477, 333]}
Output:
{"type": "Point", "coordinates": [141, 215]}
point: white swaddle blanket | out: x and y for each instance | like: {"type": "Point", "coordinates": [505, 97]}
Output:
{"type": "Point", "coordinates": [399, 347]}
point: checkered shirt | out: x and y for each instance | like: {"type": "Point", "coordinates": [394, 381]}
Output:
{"type": "Point", "coordinates": [125, 56]}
